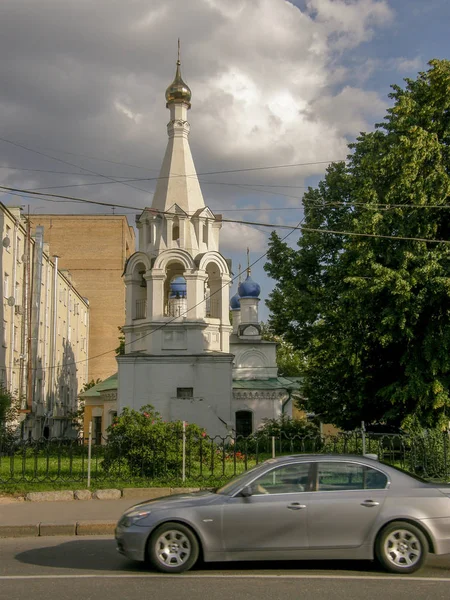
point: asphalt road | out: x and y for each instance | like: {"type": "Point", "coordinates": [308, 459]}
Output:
{"type": "Point", "coordinates": [86, 568]}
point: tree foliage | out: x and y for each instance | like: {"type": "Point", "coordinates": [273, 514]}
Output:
{"type": "Point", "coordinates": [372, 314]}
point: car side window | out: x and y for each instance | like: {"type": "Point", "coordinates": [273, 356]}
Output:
{"type": "Point", "coordinates": [340, 476]}
{"type": "Point", "coordinates": [288, 479]}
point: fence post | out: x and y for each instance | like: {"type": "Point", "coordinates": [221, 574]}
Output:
{"type": "Point", "coordinates": [363, 435]}
{"type": "Point", "coordinates": [183, 469]}
{"type": "Point", "coordinates": [89, 455]}
{"type": "Point", "coordinates": [273, 446]}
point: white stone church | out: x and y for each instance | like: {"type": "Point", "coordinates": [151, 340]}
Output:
{"type": "Point", "coordinates": [182, 355]}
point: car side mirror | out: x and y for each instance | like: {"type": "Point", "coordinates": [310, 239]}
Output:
{"type": "Point", "coordinates": [247, 491]}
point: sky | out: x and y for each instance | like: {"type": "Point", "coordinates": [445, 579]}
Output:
{"type": "Point", "coordinates": [274, 83]}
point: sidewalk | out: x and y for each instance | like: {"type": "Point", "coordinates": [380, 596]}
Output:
{"type": "Point", "coordinates": [69, 517]}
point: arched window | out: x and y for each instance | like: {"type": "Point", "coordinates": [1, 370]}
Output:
{"type": "Point", "coordinates": [244, 423]}
{"type": "Point", "coordinates": [176, 232]}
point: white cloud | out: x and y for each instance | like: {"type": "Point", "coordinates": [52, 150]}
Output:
{"type": "Point", "coordinates": [406, 65]}
{"type": "Point", "coordinates": [350, 22]}
{"type": "Point", "coordinates": [265, 76]}
{"type": "Point", "coordinates": [235, 237]}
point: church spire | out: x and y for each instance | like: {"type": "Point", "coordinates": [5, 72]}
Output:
{"type": "Point", "coordinates": [178, 182]}
{"type": "Point", "coordinates": [178, 90]}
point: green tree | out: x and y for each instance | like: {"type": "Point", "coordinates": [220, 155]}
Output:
{"type": "Point", "coordinates": [372, 314]}
{"type": "Point", "coordinates": [9, 413]}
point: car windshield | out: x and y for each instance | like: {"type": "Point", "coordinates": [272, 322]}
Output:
{"type": "Point", "coordinates": [233, 483]}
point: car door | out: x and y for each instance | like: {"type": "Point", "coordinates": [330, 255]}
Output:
{"type": "Point", "coordinates": [272, 522]}
{"type": "Point", "coordinates": [345, 506]}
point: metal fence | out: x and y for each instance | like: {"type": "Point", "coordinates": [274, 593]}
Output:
{"type": "Point", "coordinates": [203, 460]}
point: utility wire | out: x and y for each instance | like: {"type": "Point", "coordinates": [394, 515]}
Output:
{"type": "Point", "coordinates": [241, 222]}
{"type": "Point", "coordinates": [233, 279]}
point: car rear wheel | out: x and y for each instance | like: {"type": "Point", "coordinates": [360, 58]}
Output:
{"type": "Point", "coordinates": [401, 547]}
{"type": "Point", "coordinates": [173, 548]}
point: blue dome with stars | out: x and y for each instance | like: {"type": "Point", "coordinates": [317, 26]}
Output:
{"type": "Point", "coordinates": [249, 288]}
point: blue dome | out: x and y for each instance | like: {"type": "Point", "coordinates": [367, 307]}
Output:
{"type": "Point", "coordinates": [178, 288]}
{"type": "Point", "coordinates": [249, 288]}
{"type": "Point", "coordinates": [235, 302]}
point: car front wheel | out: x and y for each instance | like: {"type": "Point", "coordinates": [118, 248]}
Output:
{"type": "Point", "coordinates": [173, 548]}
{"type": "Point", "coordinates": [401, 547]}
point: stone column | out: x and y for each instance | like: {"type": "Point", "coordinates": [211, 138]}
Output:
{"type": "Point", "coordinates": [195, 286]}
{"type": "Point", "coordinates": [155, 293]}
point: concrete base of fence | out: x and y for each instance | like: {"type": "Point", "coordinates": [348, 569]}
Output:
{"type": "Point", "coordinates": [60, 496]}
{"type": "Point", "coordinates": [107, 495]}
{"type": "Point", "coordinates": [145, 493]}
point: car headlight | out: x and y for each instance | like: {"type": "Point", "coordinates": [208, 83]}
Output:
{"type": "Point", "coordinates": [133, 517]}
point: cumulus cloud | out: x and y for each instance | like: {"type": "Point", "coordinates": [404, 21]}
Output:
{"type": "Point", "coordinates": [84, 80]}
{"type": "Point", "coordinates": [235, 237]}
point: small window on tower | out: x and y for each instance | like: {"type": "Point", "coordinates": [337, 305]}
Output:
{"type": "Point", "coordinates": [176, 232]}
{"type": "Point", "coordinates": [185, 392]}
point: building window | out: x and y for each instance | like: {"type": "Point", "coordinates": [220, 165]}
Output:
{"type": "Point", "coordinates": [7, 239]}
{"type": "Point", "coordinates": [244, 423]}
{"type": "Point", "coordinates": [6, 285]}
{"type": "Point", "coordinates": [185, 392]}
{"type": "Point", "coordinates": [4, 334]}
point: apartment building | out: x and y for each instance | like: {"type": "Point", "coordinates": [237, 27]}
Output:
{"type": "Point", "coordinates": [45, 330]}
{"type": "Point", "coordinates": [95, 248]}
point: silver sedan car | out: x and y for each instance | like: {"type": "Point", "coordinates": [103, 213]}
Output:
{"type": "Point", "coordinates": [292, 508]}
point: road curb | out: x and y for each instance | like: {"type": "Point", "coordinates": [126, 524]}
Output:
{"type": "Point", "coordinates": [75, 528]}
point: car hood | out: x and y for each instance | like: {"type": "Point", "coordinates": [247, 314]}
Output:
{"type": "Point", "coordinates": [184, 499]}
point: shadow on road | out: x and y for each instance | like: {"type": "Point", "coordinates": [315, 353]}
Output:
{"type": "Point", "coordinates": [80, 554]}
{"type": "Point", "coordinates": [87, 554]}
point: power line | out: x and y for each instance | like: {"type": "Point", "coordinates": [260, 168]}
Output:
{"type": "Point", "coordinates": [66, 162]}
{"type": "Point", "coordinates": [233, 279]}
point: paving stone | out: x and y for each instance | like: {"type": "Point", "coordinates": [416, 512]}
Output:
{"type": "Point", "coordinates": [47, 529]}
{"type": "Point", "coordinates": [95, 527]}
{"type": "Point", "coordinates": [9, 531]}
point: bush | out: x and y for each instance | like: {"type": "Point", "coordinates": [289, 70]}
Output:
{"type": "Point", "coordinates": [141, 444]}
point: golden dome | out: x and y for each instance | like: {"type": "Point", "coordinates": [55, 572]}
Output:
{"type": "Point", "coordinates": [178, 91]}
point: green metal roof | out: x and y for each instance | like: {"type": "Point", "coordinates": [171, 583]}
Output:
{"type": "Point", "coordinates": [108, 384]}
{"type": "Point", "coordinates": [274, 383]}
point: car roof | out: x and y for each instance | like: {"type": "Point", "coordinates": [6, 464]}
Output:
{"type": "Point", "coordinates": [316, 457]}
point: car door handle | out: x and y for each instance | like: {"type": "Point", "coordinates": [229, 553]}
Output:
{"type": "Point", "coordinates": [370, 503]}
{"type": "Point", "coordinates": [296, 506]}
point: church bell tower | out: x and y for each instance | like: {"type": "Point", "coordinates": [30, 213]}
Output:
{"type": "Point", "coordinates": [177, 330]}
